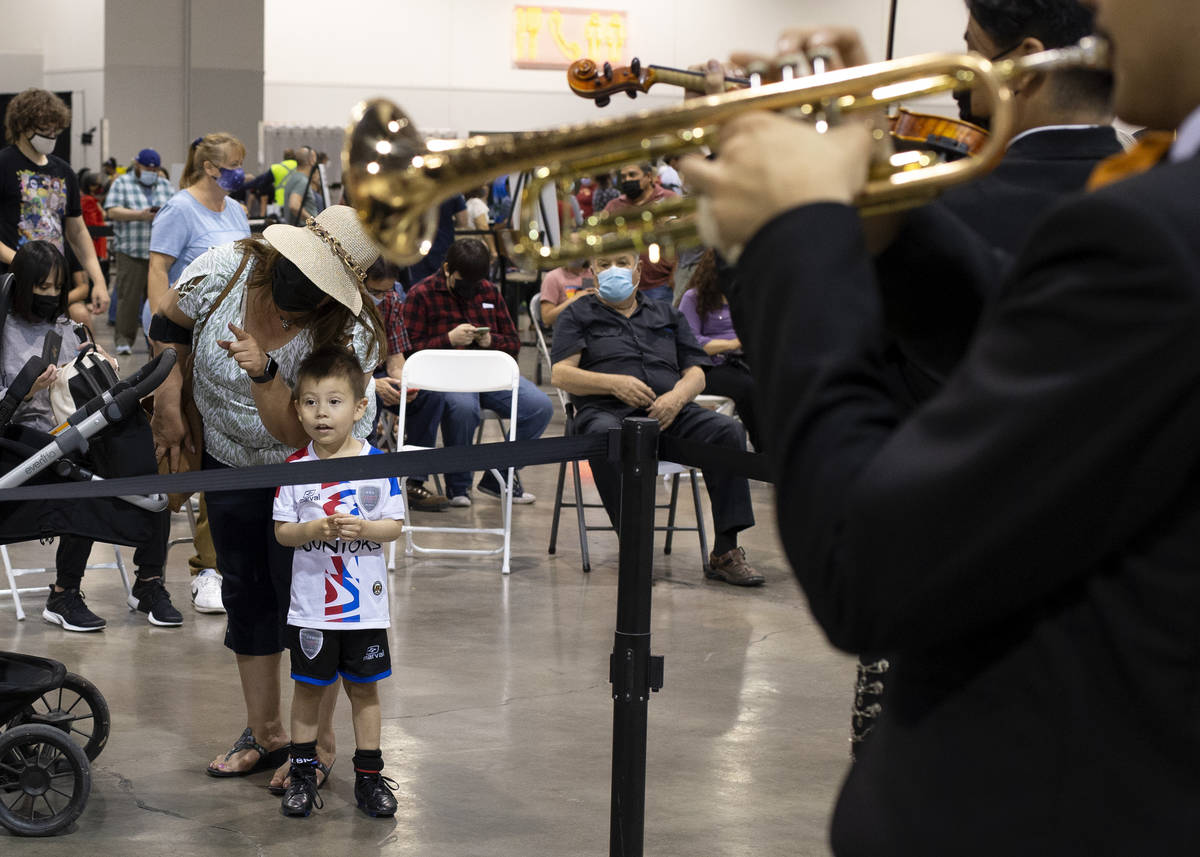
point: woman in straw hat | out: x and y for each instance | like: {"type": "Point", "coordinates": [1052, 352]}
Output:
{"type": "Point", "coordinates": [248, 313]}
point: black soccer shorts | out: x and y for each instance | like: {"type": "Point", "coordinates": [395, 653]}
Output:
{"type": "Point", "coordinates": [320, 656]}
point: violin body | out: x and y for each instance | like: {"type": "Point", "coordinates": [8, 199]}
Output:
{"type": "Point", "coordinates": [951, 138]}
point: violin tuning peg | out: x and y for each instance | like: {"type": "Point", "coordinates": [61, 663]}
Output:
{"type": "Point", "coordinates": [603, 101]}
{"type": "Point", "coordinates": [635, 65]}
{"type": "Point", "coordinates": [632, 93]}
{"type": "Point", "coordinates": [608, 71]}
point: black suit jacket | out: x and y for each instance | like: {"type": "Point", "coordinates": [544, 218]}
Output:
{"type": "Point", "coordinates": [948, 261]}
{"type": "Point", "coordinates": [1028, 541]}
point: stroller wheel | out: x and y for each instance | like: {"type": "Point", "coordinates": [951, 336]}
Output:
{"type": "Point", "coordinates": [76, 707]}
{"type": "Point", "coordinates": [44, 780]}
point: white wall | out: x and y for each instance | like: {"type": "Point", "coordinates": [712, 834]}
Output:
{"type": "Point", "coordinates": [449, 65]}
{"type": "Point", "coordinates": [58, 45]}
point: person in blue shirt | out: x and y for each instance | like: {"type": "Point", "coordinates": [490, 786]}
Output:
{"type": "Point", "coordinates": [198, 217]}
{"type": "Point", "coordinates": [201, 215]}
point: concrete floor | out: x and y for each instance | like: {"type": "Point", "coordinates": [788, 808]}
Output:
{"type": "Point", "coordinates": [498, 718]}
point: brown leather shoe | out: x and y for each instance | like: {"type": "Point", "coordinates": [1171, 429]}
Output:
{"type": "Point", "coordinates": [421, 499]}
{"type": "Point", "coordinates": [732, 568]}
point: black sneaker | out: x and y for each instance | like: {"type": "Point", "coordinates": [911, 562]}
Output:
{"type": "Point", "coordinates": [301, 795]}
{"type": "Point", "coordinates": [66, 608]}
{"type": "Point", "coordinates": [373, 791]}
{"type": "Point", "coordinates": [490, 485]}
{"type": "Point", "coordinates": [421, 499]}
{"type": "Point", "coordinates": [151, 597]}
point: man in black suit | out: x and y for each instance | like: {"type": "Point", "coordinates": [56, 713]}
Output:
{"type": "Point", "coordinates": [1062, 128]}
{"type": "Point", "coordinates": [931, 299]}
{"type": "Point", "coordinates": [1028, 539]}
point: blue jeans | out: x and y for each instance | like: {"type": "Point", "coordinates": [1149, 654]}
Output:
{"type": "Point", "coordinates": [665, 292]}
{"type": "Point", "coordinates": [461, 418]}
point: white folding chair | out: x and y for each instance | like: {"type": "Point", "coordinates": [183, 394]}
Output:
{"type": "Point", "coordinates": [461, 371]}
{"type": "Point", "coordinates": [17, 591]}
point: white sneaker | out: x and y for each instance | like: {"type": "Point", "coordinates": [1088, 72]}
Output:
{"type": "Point", "coordinates": [124, 349]}
{"type": "Point", "coordinates": [461, 501]}
{"type": "Point", "coordinates": [206, 592]}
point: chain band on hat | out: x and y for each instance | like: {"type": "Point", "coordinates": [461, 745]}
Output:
{"type": "Point", "coordinates": [338, 250]}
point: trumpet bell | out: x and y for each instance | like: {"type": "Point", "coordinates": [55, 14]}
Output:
{"type": "Point", "coordinates": [382, 141]}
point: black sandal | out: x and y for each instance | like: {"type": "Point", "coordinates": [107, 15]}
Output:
{"type": "Point", "coordinates": [321, 766]}
{"type": "Point", "coordinates": [266, 758]}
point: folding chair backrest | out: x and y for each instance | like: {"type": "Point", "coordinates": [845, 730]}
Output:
{"type": "Point", "coordinates": [460, 371]}
{"type": "Point", "coordinates": [535, 314]}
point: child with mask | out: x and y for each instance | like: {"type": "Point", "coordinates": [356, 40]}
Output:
{"type": "Point", "coordinates": [39, 306]}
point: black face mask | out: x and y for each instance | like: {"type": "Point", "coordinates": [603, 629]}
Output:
{"type": "Point", "coordinates": [632, 188]}
{"type": "Point", "coordinates": [291, 290]}
{"type": "Point", "coordinates": [464, 289]}
{"type": "Point", "coordinates": [963, 99]}
{"type": "Point", "coordinates": [44, 307]}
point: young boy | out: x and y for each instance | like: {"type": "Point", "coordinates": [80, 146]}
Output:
{"type": "Point", "coordinates": [338, 618]}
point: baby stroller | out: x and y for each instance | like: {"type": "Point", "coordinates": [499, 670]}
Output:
{"type": "Point", "coordinates": [52, 724]}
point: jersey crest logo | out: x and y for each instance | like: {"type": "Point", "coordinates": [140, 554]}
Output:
{"type": "Point", "coordinates": [368, 497]}
{"type": "Point", "coordinates": [377, 589]}
{"type": "Point", "coordinates": [311, 497]}
{"type": "Point", "coordinates": [311, 640]}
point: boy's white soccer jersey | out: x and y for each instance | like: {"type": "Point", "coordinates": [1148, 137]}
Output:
{"type": "Point", "coordinates": [337, 584]}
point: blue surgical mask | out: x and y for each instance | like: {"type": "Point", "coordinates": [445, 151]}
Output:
{"type": "Point", "coordinates": [614, 285]}
{"type": "Point", "coordinates": [148, 177]}
{"type": "Point", "coordinates": [231, 181]}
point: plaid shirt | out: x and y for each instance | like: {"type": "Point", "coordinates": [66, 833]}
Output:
{"type": "Point", "coordinates": [431, 312]}
{"type": "Point", "coordinates": [392, 310]}
{"type": "Point", "coordinates": [132, 237]}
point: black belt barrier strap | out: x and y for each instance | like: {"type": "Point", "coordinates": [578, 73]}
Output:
{"type": "Point", "coordinates": [705, 456]}
{"type": "Point", "coordinates": [455, 459]}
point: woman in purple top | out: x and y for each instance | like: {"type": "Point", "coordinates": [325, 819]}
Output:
{"type": "Point", "coordinates": [707, 312]}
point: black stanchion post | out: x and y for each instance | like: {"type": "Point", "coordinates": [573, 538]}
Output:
{"type": "Point", "coordinates": [633, 671]}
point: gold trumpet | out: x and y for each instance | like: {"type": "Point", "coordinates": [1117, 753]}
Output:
{"type": "Point", "coordinates": [396, 179]}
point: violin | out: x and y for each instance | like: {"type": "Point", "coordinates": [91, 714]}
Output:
{"type": "Point", "coordinates": [601, 83]}
{"type": "Point", "coordinates": [950, 138]}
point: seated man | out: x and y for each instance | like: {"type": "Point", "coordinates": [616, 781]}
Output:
{"type": "Point", "coordinates": [456, 307]}
{"type": "Point", "coordinates": [424, 409]}
{"type": "Point", "coordinates": [619, 355]}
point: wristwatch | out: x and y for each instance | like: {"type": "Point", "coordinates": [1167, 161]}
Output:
{"type": "Point", "coordinates": [268, 371]}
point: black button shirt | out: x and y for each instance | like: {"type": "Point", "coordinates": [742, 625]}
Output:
{"type": "Point", "coordinates": [654, 344]}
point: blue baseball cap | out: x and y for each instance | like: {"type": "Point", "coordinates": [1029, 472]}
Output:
{"type": "Point", "coordinates": [149, 158]}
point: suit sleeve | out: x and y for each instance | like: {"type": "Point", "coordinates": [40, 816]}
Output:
{"type": "Point", "coordinates": [1066, 428]}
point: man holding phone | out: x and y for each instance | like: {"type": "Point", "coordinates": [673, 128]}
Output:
{"type": "Point", "coordinates": [132, 201]}
{"type": "Point", "coordinates": [457, 307]}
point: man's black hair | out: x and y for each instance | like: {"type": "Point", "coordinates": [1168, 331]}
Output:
{"type": "Point", "coordinates": [469, 258]}
{"type": "Point", "coordinates": [1056, 24]}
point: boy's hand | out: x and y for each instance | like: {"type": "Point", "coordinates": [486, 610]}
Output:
{"type": "Point", "coordinates": [323, 528]}
{"type": "Point", "coordinates": [349, 526]}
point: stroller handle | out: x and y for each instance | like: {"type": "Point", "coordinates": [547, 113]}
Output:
{"type": "Point", "coordinates": [104, 410]}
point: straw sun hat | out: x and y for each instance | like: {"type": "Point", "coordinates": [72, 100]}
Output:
{"type": "Point", "coordinates": [332, 250]}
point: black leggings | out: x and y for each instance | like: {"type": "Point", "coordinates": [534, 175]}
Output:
{"type": "Point", "coordinates": [256, 570]}
{"type": "Point", "coordinates": [733, 379]}
{"type": "Point", "coordinates": [149, 557]}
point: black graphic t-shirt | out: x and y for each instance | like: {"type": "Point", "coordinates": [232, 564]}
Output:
{"type": "Point", "coordinates": [35, 201]}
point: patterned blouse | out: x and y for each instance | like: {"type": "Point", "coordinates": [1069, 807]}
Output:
{"type": "Point", "coordinates": [233, 431]}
